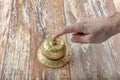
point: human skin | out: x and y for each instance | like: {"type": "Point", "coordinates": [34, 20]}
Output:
{"type": "Point", "coordinates": [92, 30]}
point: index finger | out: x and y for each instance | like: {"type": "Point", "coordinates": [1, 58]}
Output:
{"type": "Point", "coordinates": [67, 29]}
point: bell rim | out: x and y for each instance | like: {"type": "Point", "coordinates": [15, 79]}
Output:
{"type": "Point", "coordinates": [54, 63]}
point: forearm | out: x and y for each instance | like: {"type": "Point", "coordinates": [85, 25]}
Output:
{"type": "Point", "coordinates": [116, 22]}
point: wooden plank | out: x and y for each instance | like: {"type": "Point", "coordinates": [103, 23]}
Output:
{"type": "Point", "coordinates": [17, 57]}
{"type": "Point", "coordinates": [4, 26]}
{"type": "Point", "coordinates": [76, 68]}
{"type": "Point", "coordinates": [30, 23]}
{"type": "Point", "coordinates": [49, 18]}
{"type": "Point", "coordinates": [25, 24]}
{"type": "Point", "coordinates": [115, 44]}
{"type": "Point", "coordinates": [91, 62]}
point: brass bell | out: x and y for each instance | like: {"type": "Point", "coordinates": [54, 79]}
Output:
{"type": "Point", "coordinates": [54, 53]}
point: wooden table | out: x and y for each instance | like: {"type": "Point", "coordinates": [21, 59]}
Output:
{"type": "Point", "coordinates": [24, 24]}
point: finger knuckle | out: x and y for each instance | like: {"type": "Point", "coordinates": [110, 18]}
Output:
{"type": "Point", "coordinates": [84, 27]}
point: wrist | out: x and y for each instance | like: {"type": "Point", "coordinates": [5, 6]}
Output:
{"type": "Point", "coordinates": [115, 21]}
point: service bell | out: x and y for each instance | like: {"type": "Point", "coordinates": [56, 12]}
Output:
{"type": "Point", "coordinates": [54, 53]}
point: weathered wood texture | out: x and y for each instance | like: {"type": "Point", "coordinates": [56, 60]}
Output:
{"type": "Point", "coordinates": [24, 24]}
{"type": "Point", "coordinates": [92, 62]}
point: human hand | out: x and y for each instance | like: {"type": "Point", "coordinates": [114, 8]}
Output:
{"type": "Point", "coordinates": [89, 30]}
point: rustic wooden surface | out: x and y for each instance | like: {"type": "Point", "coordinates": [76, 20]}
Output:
{"type": "Point", "coordinates": [24, 24]}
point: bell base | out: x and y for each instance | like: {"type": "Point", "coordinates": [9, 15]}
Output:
{"type": "Point", "coordinates": [54, 63]}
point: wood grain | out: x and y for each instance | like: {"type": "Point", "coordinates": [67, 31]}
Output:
{"type": "Point", "coordinates": [25, 24]}
{"type": "Point", "coordinates": [89, 61]}
{"type": "Point", "coordinates": [30, 23]}
{"type": "Point", "coordinates": [4, 26]}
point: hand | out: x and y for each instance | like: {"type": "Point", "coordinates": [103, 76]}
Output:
{"type": "Point", "coordinates": [89, 30]}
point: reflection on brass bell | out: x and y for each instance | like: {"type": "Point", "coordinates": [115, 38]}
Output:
{"type": "Point", "coordinates": [54, 53]}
